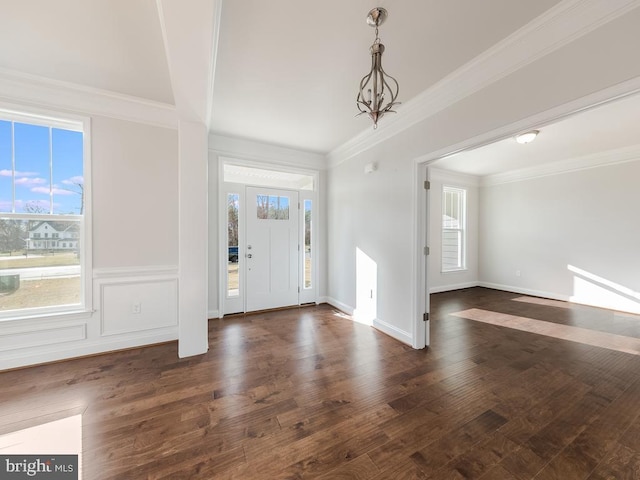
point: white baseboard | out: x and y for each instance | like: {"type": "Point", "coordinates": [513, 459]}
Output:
{"type": "Point", "coordinates": [525, 291]}
{"type": "Point", "coordinates": [213, 314]}
{"type": "Point", "coordinates": [394, 332]}
{"type": "Point", "coordinates": [339, 305]}
{"type": "Point", "coordinates": [384, 327]}
{"type": "Point", "coordinates": [457, 286]}
{"type": "Point", "coordinates": [557, 296]}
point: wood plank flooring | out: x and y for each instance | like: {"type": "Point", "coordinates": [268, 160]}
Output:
{"type": "Point", "coordinates": [306, 393]}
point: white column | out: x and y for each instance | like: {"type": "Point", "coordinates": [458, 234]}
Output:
{"type": "Point", "coordinates": [193, 183]}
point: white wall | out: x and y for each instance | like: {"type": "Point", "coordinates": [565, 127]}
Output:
{"type": "Point", "coordinates": [439, 281]}
{"type": "Point", "coordinates": [572, 236]}
{"type": "Point", "coordinates": [134, 192]}
{"type": "Point", "coordinates": [372, 213]}
{"type": "Point", "coordinates": [135, 252]}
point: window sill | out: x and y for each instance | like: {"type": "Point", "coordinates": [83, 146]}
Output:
{"type": "Point", "coordinates": [457, 270]}
{"type": "Point", "coordinates": [79, 314]}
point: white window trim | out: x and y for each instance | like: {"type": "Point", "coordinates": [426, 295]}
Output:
{"type": "Point", "coordinates": [43, 117]}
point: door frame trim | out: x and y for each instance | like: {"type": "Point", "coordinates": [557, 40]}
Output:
{"type": "Point", "coordinates": [222, 215]}
{"type": "Point", "coordinates": [421, 329]}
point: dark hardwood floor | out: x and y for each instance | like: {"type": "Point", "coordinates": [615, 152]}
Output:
{"type": "Point", "coordinates": [306, 393]}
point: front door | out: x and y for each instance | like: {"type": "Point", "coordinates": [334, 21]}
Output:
{"type": "Point", "coordinates": [271, 251]}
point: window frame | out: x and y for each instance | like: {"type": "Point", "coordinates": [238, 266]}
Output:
{"type": "Point", "coordinates": [66, 121]}
{"type": "Point", "coordinates": [461, 230]}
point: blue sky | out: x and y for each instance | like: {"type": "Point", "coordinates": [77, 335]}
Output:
{"type": "Point", "coordinates": [33, 177]}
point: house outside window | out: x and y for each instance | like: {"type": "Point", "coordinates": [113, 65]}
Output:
{"type": "Point", "coordinates": [43, 195]}
{"type": "Point", "coordinates": [454, 212]}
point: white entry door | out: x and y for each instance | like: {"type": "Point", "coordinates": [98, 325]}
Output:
{"type": "Point", "coordinates": [271, 248]}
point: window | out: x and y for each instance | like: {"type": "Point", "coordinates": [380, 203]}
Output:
{"type": "Point", "coordinates": [308, 265]}
{"type": "Point", "coordinates": [267, 178]}
{"type": "Point", "coordinates": [454, 209]}
{"type": "Point", "coordinates": [233, 273]}
{"type": "Point", "coordinates": [270, 207]}
{"type": "Point", "coordinates": [42, 196]}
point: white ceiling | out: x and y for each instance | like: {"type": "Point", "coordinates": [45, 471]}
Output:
{"type": "Point", "coordinates": [286, 71]}
{"type": "Point", "coordinates": [606, 128]}
{"type": "Point", "coordinates": [113, 45]}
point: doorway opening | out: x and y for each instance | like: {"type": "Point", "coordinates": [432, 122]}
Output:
{"type": "Point", "coordinates": [268, 243]}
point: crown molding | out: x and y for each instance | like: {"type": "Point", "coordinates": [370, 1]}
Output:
{"type": "Point", "coordinates": [555, 28]}
{"type": "Point", "coordinates": [213, 65]}
{"type": "Point", "coordinates": [245, 149]}
{"type": "Point", "coordinates": [601, 159]}
{"type": "Point", "coordinates": [40, 91]}
{"type": "Point", "coordinates": [539, 120]}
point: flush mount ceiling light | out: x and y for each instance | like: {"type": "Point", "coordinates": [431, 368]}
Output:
{"type": "Point", "coordinates": [527, 137]}
{"type": "Point", "coordinates": [376, 85]}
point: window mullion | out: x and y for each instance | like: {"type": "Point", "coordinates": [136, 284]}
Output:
{"type": "Point", "coordinates": [50, 170]}
{"type": "Point", "coordinates": [13, 169]}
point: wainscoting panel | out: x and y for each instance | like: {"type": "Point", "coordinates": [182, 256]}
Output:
{"type": "Point", "coordinates": [38, 338]}
{"type": "Point", "coordinates": [133, 306]}
{"type": "Point", "coordinates": [136, 300]}
{"type": "Point", "coordinates": [129, 306]}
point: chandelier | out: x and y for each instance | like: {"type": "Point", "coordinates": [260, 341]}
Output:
{"type": "Point", "coordinates": [378, 90]}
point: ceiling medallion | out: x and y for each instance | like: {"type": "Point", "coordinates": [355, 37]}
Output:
{"type": "Point", "coordinates": [378, 90]}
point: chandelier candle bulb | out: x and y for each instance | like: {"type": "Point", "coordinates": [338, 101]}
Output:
{"type": "Point", "coordinates": [377, 82]}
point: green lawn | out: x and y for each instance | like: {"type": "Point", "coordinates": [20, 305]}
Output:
{"type": "Point", "coordinates": [43, 293]}
{"type": "Point", "coordinates": [48, 260]}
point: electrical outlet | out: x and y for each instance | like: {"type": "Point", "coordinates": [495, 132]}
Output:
{"type": "Point", "coordinates": [136, 307]}
{"type": "Point", "coordinates": [517, 273]}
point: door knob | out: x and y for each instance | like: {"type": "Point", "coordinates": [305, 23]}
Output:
{"type": "Point", "coordinates": [249, 255]}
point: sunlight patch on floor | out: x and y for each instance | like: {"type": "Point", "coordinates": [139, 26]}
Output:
{"type": "Point", "coordinates": [585, 336]}
{"type": "Point", "coordinates": [60, 437]}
